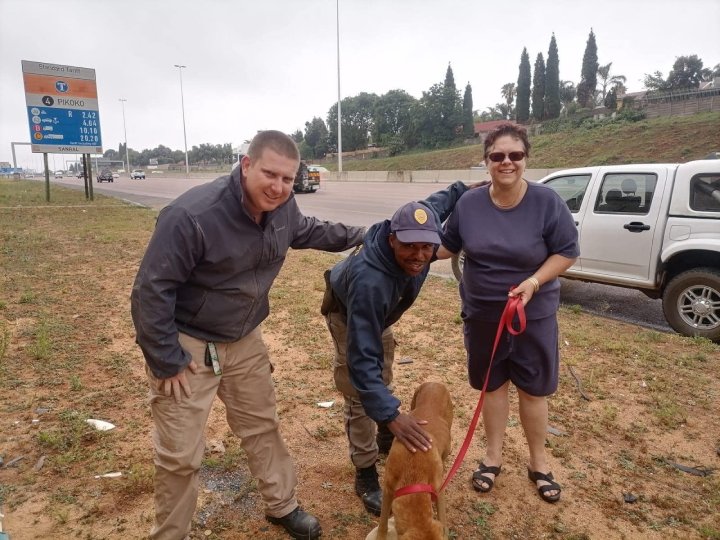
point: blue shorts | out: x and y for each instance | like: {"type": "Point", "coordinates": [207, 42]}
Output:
{"type": "Point", "coordinates": [531, 360]}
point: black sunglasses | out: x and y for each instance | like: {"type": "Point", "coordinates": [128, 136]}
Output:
{"type": "Point", "coordinates": [498, 157]}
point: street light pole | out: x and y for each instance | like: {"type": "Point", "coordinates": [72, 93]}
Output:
{"type": "Point", "coordinates": [337, 13]}
{"type": "Point", "coordinates": [127, 152]}
{"type": "Point", "coordinates": [182, 103]}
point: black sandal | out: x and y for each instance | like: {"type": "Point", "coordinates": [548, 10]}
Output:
{"type": "Point", "coordinates": [480, 477]}
{"type": "Point", "coordinates": [552, 485]}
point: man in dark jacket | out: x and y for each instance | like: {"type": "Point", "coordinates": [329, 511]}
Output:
{"type": "Point", "coordinates": [366, 294]}
{"type": "Point", "coordinates": [197, 302]}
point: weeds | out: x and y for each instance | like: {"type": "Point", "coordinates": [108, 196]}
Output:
{"type": "Point", "coordinates": [4, 339]}
{"type": "Point", "coordinates": [41, 347]}
{"type": "Point", "coordinates": [139, 480]}
{"type": "Point", "coordinates": [75, 383]}
{"type": "Point", "coordinates": [669, 413]}
{"type": "Point", "coordinates": [709, 533]}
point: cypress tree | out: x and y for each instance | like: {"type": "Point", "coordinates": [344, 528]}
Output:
{"type": "Point", "coordinates": [522, 97]}
{"type": "Point", "coordinates": [552, 82]}
{"type": "Point", "coordinates": [468, 120]}
{"type": "Point", "coordinates": [588, 76]}
{"type": "Point", "coordinates": [450, 108]}
{"type": "Point", "coordinates": [538, 92]}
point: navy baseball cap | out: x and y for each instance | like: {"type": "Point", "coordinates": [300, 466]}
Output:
{"type": "Point", "coordinates": [413, 222]}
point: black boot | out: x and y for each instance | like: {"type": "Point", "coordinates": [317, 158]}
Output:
{"type": "Point", "coordinates": [298, 524]}
{"type": "Point", "coordinates": [368, 489]}
{"type": "Point", "coordinates": [384, 439]}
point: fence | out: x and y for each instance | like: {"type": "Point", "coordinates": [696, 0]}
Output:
{"type": "Point", "coordinates": [683, 103]}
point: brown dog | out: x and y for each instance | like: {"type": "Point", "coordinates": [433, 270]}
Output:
{"type": "Point", "coordinates": [414, 513]}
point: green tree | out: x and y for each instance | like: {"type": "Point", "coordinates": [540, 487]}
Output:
{"type": "Point", "coordinates": [522, 105]}
{"type": "Point", "coordinates": [508, 92]}
{"type": "Point", "coordinates": [538, 92]}
{"type": "Point", "coordinates": [357, 120]}
{"type": "Point", "coordinates": [655, 82]}
{"type": "Point", "coordinates": [297, 136]}
{"type": "Point", "coordinates": [588, 77]}
{"type": "Point", "coordinates": [608, 81]}
{"type": "Point", "coordinates": [687, 72]}
{"type": "Point", "coordinates": [315, 139]}
{"type": "Point", "coordinates": [451, 109]}
{"type": "Point", "coordinates": [467, 108]}
{"type": "Point", "coordinates": [204, 154]}
{"type": "Point", "coordinates": [392, 118]}
{"type": "Point", "coordinates": [552, 82]}
{"type": "Point", "coordinates": [567, 95]}
{"type": "Point", "coordinates": [427, 128]}
{"type": "Point", "coordinates": [306, 152]}
{"type": "Point", "coordinates": [610, 100]}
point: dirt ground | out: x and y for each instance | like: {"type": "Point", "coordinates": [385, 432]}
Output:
{"type": "Point", "coordinates": [67, 353]}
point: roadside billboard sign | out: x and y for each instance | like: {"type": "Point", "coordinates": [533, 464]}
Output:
{"type": "Point", "coordinates": [62, 108]}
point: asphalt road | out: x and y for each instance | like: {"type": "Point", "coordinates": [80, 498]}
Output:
{"type": "Point", "coordinates": [365, 203]}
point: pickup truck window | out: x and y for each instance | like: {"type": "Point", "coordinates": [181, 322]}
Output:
{"type": "Point", "coordinates": [705, 193]}
{"type": "Point", "coordinates": [571, 189]}
{"type": "Point", "coordinates": [622, 193]}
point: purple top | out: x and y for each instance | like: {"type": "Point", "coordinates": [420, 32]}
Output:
{"type": "Point", "coordinates": [504, 247]}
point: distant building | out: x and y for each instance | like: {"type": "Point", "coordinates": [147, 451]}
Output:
{"type": "Point", "coordinates": [240, 150]}
{"type": "Point", "coordinates": [483, 128]}
{"type": "Point", "coordinates": [706, 85]}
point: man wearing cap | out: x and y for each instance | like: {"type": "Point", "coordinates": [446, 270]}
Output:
{"type": "Point", "coordinates": [365, 295]}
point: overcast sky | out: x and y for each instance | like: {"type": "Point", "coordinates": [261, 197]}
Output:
{"type": "Point", "coordinates": [272, 64]}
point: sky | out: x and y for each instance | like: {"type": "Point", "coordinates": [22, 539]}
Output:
{"type": "Point", "coordinates": [272, 64]}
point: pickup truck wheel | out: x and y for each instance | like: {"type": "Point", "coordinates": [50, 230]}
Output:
{"type": "Point", "coordinates": [691, 303]}
{"type": "Point", "coordinates": [458, 262]}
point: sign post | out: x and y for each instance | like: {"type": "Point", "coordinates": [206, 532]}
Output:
{"type": "Point", "coordinates": [62, 108]}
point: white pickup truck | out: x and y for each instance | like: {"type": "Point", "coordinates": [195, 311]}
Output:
{"type": "Point", "coordinates": [655, 228]}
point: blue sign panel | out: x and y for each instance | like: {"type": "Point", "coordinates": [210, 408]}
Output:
{"type": "Point", "coordinates": [64, 127]}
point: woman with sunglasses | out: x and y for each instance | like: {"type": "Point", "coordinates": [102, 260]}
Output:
{"type": "Point", "coordinates": [518, 237]}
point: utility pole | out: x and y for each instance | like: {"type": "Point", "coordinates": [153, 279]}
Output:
{"type": "Point", "coordinates": [339, 149]}
{"type": "Point", "coordinates": [182, 103]}
{"type": "Point", "coordinates": [127, 152]}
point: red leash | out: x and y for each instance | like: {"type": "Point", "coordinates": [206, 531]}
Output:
{"type": "Point", "coordinates": [514, 306]}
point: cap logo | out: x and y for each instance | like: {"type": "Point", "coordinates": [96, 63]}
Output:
{"type": "Point", "coordinates": [420, 216]}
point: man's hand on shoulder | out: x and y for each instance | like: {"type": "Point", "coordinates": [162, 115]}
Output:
{"type": "Point", "coordinates": [481, 183]}
{"type": "Point", "coordinates": [407, 430]}
{"type": "Point", "coordinates": [173, 385]}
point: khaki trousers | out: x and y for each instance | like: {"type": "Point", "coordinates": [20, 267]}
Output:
{"type": "Point", "coordinates": [359, 427]}
{"type": "Point", "coordinates": [246, 389]}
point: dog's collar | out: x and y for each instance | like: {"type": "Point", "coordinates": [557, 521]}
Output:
{"type": "Point", "coordinates": [417, 488]}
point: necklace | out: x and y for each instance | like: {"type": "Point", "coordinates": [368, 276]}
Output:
{"type": "Point", "coordinates": [514, 202]}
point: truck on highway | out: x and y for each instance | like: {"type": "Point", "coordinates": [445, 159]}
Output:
{"type": "Point", "coordinates": [307, 179]}
{"type": "Point", "coordinates": [650, 227]}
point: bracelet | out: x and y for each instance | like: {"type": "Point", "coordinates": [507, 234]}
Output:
{"type": "Point", "coordinates": [535, 283]}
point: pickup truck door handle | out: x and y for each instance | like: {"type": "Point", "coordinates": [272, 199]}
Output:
{"type": "Point", "coordinates": [636, 226]}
